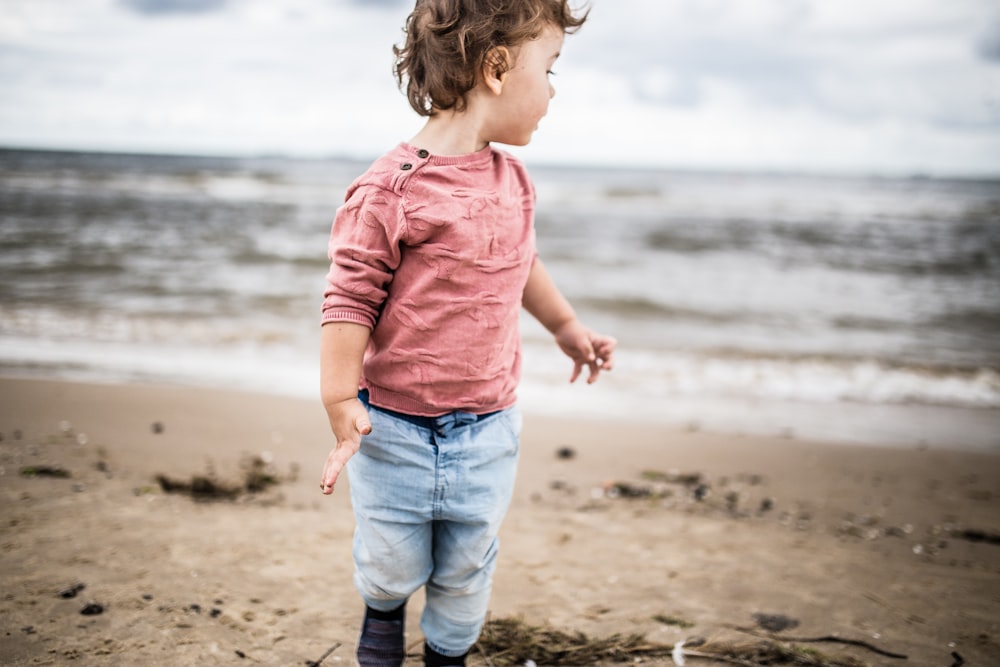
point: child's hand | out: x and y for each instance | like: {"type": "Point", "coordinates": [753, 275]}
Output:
{"type": "Point", "coordinates": [349, 421]}
{"type": "Point", "coordinates": [586, 348]}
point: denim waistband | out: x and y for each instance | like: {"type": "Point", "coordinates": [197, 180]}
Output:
{"type": "Point", "coordinates": [454, 418]}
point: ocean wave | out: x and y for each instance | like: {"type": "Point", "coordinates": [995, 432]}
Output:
{"type": "Point", "coordinates": [690, 237]}
{"type": "Point", "coordinates": [815, 289]}
{"type": "Point", "coordinates": [817, 379]}
{"type": "Point", "coordinates": [263, 257]}
{"type": "Point", "coordinates": [639, 307]}
{"type": "Point", "coordinates": [797, 378]}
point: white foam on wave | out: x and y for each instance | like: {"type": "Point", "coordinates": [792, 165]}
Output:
{"type": "Point", "coordinates": [805, 379]}
{"type": "Point", "coordinates": [710, 395]}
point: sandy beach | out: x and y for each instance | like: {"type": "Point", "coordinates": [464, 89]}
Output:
{"type": "Point", "coordinates": [615, 528]}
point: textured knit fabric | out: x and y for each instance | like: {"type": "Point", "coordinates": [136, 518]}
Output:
{"type": "Point", "coordinates": [381, 643]}
{"type": "Point", "coordinates": [432, 253]}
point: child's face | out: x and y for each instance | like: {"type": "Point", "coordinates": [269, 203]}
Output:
{"type": "Point", "coordinates": [526, 89]}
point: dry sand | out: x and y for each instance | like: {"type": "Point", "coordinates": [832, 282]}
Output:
{"type": "Point", "coordinates": [868, 543]}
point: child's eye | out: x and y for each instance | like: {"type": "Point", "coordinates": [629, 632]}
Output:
{"type": "Point", "coordinates": [551, 73]}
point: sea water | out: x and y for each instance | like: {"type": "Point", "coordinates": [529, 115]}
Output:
{"type": "Point", "coordinates": [846, 308]}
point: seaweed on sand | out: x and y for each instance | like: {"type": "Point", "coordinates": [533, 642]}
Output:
{"type": "Point", "coordinates": [511, 641]}
{"type": "Point", "coordinates": [45, 471]}
{"type": "Point", "coordinates": [257, 476]}
{"type": "Point", "coordinates": [507, 642]}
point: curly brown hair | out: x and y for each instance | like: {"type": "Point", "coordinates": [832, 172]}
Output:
{"type": "Point", "coordinates": [448, 41]}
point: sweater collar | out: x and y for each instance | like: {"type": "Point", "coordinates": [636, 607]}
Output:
{"type": "Point", "coordinates": [415, 152]}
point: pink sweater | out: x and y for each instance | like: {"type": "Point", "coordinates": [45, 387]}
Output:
{"type": "Point", "coordinates": [432, 253]}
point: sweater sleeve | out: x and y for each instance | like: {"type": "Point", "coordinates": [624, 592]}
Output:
{"type": "Point", "coordinates": [364, 253]}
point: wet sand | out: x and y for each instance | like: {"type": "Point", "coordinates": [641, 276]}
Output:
{"type": "Point", "coordinates": [615, 528]}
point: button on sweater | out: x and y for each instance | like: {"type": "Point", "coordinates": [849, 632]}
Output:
{"type": "Point", "coordinates": [432, 253]}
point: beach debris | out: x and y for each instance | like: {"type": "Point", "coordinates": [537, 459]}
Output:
{"type": "Point", "coordinates": [200, 487]}
{"type": "Point", "coordinates": [316, 663]}
{"type": "Point", "coordinates": [92, 609]}
{"type": "Point", "coordinates": [863, 526]}
{"type": "Point", "coordinates": [766, 505]}
{"type": "Point", "coordinates": [44, 471]}
{"type": "Point", "coordinates": [676, 621]}
{"type": "Point", "coordinates": [258, 476]}
{"type": "Point", "coordinates": [673, 477]}
{"type": "Point", "coordinates": [157, 427]}
{"type": "Point", "coordinates": [976, 535]}
{"type": "Point", "coordinates": [240, 654]}
{"type": "Point", "coordinates": [71, 592]}
{"type": "Point", "coordinates": [898, 531]}
{"type": "Point", "coordinates": [774, 622]}
{"type": "Point", "coordinates": [957, 659]}
{"type": "Point", "coordinates": [759, 653]}
{"type": "Point", "coordinates": [626, 490]}
{"type": "Point", "coordinates": [831, 639]}
{"type": "Point", "coordinates": [511, 642]}
{"type": "Point", "coordinates": [566, 453]}
{"type": "Point", "coordinates": [677, 654]}
{"type": "Point", "coordinates": [701, 492]}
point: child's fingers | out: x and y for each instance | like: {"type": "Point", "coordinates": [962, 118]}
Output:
{"type": "Point", "coordinates": [584, 356]}
{"type": "Point", "coordinates": [331, 471]}
{"type": "Point", "coordinates": [363, 426]}
{"type": "Point", "coordinates": [338, 458]}
{"type": "Point", "coordinates": [605, 348]}
{"type": "Point", "coordinates": [595, 369]}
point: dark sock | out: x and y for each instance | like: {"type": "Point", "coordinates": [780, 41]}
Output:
{"type": "Point", "coordinates": [381, 643]}
{"type": "Point", "coordinates": [434, 659]}
{"type": "Point", "coordinates": [397, 614]}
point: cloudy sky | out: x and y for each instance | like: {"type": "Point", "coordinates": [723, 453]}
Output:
{"type": "Point", "coordinates": [898, 86]}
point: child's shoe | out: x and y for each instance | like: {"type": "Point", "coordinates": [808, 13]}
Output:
{"type": "Point", "coordinates": [434, 659]}
{"type": "Point", "coordinates": [381, 643]}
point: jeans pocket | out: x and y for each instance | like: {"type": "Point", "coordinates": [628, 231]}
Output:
{"type": "Point", "coordinates": [514, 421]}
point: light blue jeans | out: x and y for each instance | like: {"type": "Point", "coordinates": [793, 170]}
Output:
{"type": "Point", "coordinates": [429, 500]}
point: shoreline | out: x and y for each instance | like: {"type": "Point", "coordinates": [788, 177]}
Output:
{"type": "Point", "coordinates": [898, 426]}
{"type": "Point", "coordinates": [606, 534]}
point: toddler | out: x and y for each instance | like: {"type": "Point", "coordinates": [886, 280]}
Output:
{"type": "Point", "coordinates": [432, 257]}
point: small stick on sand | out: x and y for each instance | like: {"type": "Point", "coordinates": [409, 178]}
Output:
{"type": "Point", "coordinates": [825, 638]}
{"type": "Point", "coordinates": [316, 663]}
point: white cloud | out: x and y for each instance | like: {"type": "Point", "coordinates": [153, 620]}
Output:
{"type": "Point", "coordinates": [875, 85]}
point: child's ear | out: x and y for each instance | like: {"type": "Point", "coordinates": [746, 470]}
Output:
{"type": "Point", "coordinates": [495, 67]}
